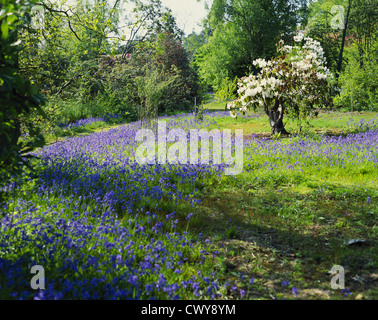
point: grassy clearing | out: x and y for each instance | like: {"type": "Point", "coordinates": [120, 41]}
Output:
{"type": "Point", "coordinates": [327, 122]}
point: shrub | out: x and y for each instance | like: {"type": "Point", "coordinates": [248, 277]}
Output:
{"type": "Point", "coordinates": [296, 83]}
{"type": "Point", "coordinates": [359, 83]}
{"type": "Point", "coordinates": [227, 90]}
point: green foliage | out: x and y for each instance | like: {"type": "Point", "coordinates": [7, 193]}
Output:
{"type": "Point", "coordinates": [161, 92]}
{"type": "Point", "coordinates": [221, 57]}
{"type": "Point", "coordinates": [231, 233]}
{"type": "Point", "coordinates": [359, 83]}
{"type": "Point", "coordinates": [18, 96]}
{"type": "Point", "coordinates": [170, 79]}
{"type": "Point", "coordinates": [160, 71]}
{"type": "Point", "coordinates": [319, 28]}
{"type": "Point", "coordinates": [62, 54]}
{"type": "Point", "coordinates": [227, 90]}
{"type": "Point", "coordinates": [355, 63]}
{"type": "Point", "coordinates": [361, 28]}
{"type": "Point", "coordinates": [276, 136]}
{"type": "Point", "coordinates": [193, 42]}
{"type": "Point", "coordinates": [240, 31]}
{"type": "Point", "coordinates": [74, 61]}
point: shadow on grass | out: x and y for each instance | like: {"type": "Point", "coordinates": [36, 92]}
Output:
{"type": "Point", "coordinates": [274, 248]}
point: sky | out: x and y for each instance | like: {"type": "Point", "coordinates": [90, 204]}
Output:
{"type": "Point", "coordinates": [188, 13]}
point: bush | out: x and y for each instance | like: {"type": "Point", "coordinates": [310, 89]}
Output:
{"type": "Point", "coordinates": [155, 79]}
{"type": "Point", "coordinates": [359, 83]}
{"type": "Point", "coordinates": [164, 92]}
{"type": "Point", "coordinates": [227, 90]}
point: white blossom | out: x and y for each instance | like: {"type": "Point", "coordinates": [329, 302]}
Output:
{"type": "Point", "coordinates": [270, 83]}
{"type": "Point", "coordinates": [260, 62]}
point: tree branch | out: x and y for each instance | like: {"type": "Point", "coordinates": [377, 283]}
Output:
{"type": "Point", "coordinates": [68, 83]}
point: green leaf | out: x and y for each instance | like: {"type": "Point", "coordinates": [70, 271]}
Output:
{"type": "Point", "coordinates": [4, 30]}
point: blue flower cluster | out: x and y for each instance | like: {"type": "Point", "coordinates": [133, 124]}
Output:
{"type": "Point", "coordinates": [298, 154]}
{"type": "Point", "coordinates": [90, 257]}
{"type": "Point", "coordinates": [89, 121]}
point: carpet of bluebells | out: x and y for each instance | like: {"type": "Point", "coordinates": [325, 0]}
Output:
{"type": "Point", "coordinates": [345, 151]}
{"type": "Point", "coordinates": [91, 231]}
{"type": "Point", "coordinates": [89, 121]}
{"type": "Point", "coordinates": [105, 227]}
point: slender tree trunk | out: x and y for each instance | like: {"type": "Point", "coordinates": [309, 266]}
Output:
{"type": "Point", "coordinates": [340, 62]}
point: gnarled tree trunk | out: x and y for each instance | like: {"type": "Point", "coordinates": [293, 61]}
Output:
{"type": "Point", "coordinates": [276, 119]}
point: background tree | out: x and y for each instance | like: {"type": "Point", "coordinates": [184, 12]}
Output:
{"type": "Point", "coordinates": [71, 35]}
{"type": "Point", "coordinates": [349, 49]}
{"type": "Point", "coordinates": [147, 19]}
{"type": "Point", "coordinates": [193, 42]}
{"type": "Point", "coordinates": [240, 31]}
{"type": "Point", "coordinates": [363, 28]}
{"type": "Point", "coordinates": [67, 55]}
{"type": "Point", "coordinates": [163, 75]}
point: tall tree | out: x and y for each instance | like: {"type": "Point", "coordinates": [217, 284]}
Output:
{"type": "Point", "coordinates": [358, 26]}
{"type": "Point", "coordinates": [65, 52]}
{"type": "Point", "coordinates": [364, 27]}
{"type": "Point", "coordinates": [346, 23]}
{"type": "Point", "coordinates": [54, 54]}
{"type": "Point", "coordinates": [148, 18]}
{"type": "Point", "coordinates": [242, 30]}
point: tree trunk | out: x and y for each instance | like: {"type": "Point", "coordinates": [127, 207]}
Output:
{"type": "Point", "coordinates": [276, 121]}
{"type": "Point", "coordinates": [340, 62]}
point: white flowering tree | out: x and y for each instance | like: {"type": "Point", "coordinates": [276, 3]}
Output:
{"type": "Point", "coordinates": [295, 83]}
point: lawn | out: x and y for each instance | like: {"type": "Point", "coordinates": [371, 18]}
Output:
{"type": "Point", "coordinates": [104, 227]}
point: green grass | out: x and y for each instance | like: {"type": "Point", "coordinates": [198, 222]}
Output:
{"type": "Point", "coordinates": [297, 237]}
{"type": "Point", "coordinates": [292, 226]}
{"type": "Point", "coordinates": [326, 123]}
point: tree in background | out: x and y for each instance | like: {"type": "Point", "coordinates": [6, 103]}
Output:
{"type": "Point", "coordinates": [193, 42]}
{"type": "Point", "coordinates": [359, 81]}
{"type": "Point", "coordinates": [67, 54]}
{"type": "Point", "coordinates": [240, 31]}
{"type": "Point", "coordinates": [158, 75]}
{"type": "Point", "coordinates": [57, 54]}
{"type": "Point", "coordinates": [364, 27]}
{"type": "Point", "coordinates": [325, 27]}
{"type": "Point", "coordinates": [18, 96]}
{"type": "Point", "coordinates": [150, 17]}
{"type": "Point", "coordinates": [351, 51]}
